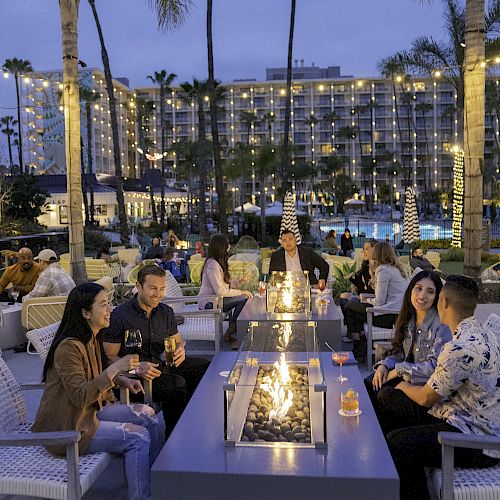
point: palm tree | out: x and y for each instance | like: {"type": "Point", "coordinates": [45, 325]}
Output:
{"type": "Point", "coordinates": [219, 185]}
{"type": "Point", "coordinates": [250, 120]}
{"type": "Point", "coordinates": [18, 67]}
{"type": "Point", "coordinates": [8, 122]}
{"type": "Point", "coordinates": [333, 164]}
{"type": "Point", "coordinates": [474, 80]}
{"type": "Point", "coordinates": [69, 23]}
{"type": "Point", "coordinates": [285, 167]}
{"type": "Point", "coordinates": [329, 119]}
{"type": "Point", "coordinates": [393, 68]}
{"type": "Point", "coordinates": [196, 92]}
{"type": "Point", "coordinates": [89, 98]}
{"type": "Point", "coordinates": [269, 119]}
{"type": "Point", "coordinates": [311, 122]}
{"type": "Point", "coordinates": [423, 108]}
{"type": "Point", "coordinates": [117, 159]}
{"type": "Point", "coordinates": [163, 80]}
{"type": "Point", "coordinates": [266, 162]}
{"type": "Point", "coordinates": [187, 156]}
{"type": "Point", "coordinates": [348, 134]}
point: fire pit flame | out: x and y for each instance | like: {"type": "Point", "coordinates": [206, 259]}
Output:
{"type": "Point", "coordinates": [282, 397]}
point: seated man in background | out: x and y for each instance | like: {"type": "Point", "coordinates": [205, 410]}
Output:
{"type": "Point", "coordinates": [172, 385]}
{"type": "Point", "coordinates": [293, 257]}
{"type": "Point", "coordinates": [22, 275]}
{"type": "Point", "coordinates": [417, 259]}
{"type": "Point", "coordinates": [198, 249]}
{"type": "Point", "coordinates": [155, 251]}
{"type": "Point", "coordinates": [53, 280]}
{"type": "Point", "coordinates": [492, 273]}
{"type": "Point", "coordinates": [169, 263]}
{"type": "Point", "coordinates": [460, 396]}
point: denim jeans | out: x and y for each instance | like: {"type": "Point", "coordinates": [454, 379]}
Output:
{"type": "Point", "coordinates": [132, 431]}
{"type": "Point", "coordinates": [233, 304]}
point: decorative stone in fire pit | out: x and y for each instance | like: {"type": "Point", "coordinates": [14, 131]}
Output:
{"type": "Point", "coordinates": [289, 293]}
{"type": "Point", "coordinates": [276, 395]}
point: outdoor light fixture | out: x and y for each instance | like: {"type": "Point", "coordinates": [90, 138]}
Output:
{"type": "Point", "coordinates": [458, 197]}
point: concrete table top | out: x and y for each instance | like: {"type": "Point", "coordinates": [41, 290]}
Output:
{"type": "Point", "coordinates": [195, 463]}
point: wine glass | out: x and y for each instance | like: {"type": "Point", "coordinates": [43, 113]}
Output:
{"type": "Point", "coordinates": [262, 287]}
{"type": "Point", "coordinates": [340, 358]}
{"type": "Point", "coordinates": [321, 285]}
{"type": "Point", "coordinates": [15, 294]}
{"type": "Point", "coordinates": [133, 343]}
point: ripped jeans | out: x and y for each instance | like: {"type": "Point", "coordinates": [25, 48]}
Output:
{"type": "Point", "coordinates": [132, 431]}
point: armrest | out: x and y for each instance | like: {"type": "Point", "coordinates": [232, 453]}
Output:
{"type": "Point", "coordinates": [39, 438]}
{"type": "Point", "coordinates": [200, 313]}
{"type": "Point", "coordinates": [459, 440]}
{"type": "Point", "coordinates": [378, 310]}
{"type": "Point", "coordinates": [31, 386]}
{"type": "Point", "coordinates": [192, 298]}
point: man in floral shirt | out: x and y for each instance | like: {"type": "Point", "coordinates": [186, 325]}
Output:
{"type": "Point", "coordinates": [463, 394]}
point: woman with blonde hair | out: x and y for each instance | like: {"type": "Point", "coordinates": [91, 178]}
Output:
{"type": "Point", "coordinates": [389, 283]}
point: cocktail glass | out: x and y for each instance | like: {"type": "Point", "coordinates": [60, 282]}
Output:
{"type": "Point", "coordinates": [340, 358]}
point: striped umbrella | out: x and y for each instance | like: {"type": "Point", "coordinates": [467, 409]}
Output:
{"type": "Point", "coordinates": [411, 224]}
{"type": "Point", "coordinates": [289, 218]}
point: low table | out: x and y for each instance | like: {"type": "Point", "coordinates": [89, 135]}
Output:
{"type": "Point", "coordinates": [195, 463]}
{"type": "Point", "coordinates": [327, 318]}
{"type": "Point", "coordinates": [11, 330]}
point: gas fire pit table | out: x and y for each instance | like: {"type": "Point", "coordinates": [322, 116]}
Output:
{"type": "Point", "coordinates": [197, 462]}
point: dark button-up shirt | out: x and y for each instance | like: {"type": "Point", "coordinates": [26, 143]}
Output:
{"type": "Point", "coordinates": [154, 330]}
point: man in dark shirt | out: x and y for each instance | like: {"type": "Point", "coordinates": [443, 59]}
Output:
{"type": "Point", "coordinates": [156, 251]}
{"type": "Point", "coordinates": [417, 259]}
{"type": "Point", "coordinates": [172, 386]}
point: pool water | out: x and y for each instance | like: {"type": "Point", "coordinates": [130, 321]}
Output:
{"type": "Point", "coordinates": [379, 230]}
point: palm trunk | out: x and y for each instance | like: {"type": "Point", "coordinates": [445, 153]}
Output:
{"type": "Point", "coordinates": [163, 149]}
{"type": "Point", "coordinates": [398, 123]}
{"type": "Point", "coordinates": [19, 128]}
{"type": "Point", "coordinates": [11, 163]}
{"type": "Point", "coordinates": [474, 83]}
{"type": "Point", "coordinates": [219, 184]}
{"type": "Point", "coordinates": [154, 215]}
{"type": "Point", "coordinates": [71, 100]}
{"type": "Point", "coordinates": [90, 170]}
{"type": "Point", "coordinates": [285, 167]}
{"type": "Point", "coordinates": [84, 186]}
{"type": "Point", "coordinates": [263, 209]}
{"type": "Point", "coordinates": [202, 169]}
{"type": "Point", "coordinates": [122, 215]}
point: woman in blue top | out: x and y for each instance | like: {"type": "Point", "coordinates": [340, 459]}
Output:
{"type": "Point", "coordinates": [419, 338]}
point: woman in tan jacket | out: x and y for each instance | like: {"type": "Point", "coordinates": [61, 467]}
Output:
{"type": "Point", "coordinates": [78, 394]}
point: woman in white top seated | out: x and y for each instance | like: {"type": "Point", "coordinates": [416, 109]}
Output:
{"type": "Point", "coordinates": [216, 280]}
{"type": "Point", "coordinates": [390, 283]}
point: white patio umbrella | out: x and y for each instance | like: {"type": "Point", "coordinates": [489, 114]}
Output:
{"type": "Point", "coordinates": [249, 208]}
{"type": "Point", "coordinates": [289, 218]}
{"type": "Point", "coordinates": [411, 225]}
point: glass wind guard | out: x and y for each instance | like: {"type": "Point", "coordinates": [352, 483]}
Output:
{"type": "Point", "coordinates": [275, 393]}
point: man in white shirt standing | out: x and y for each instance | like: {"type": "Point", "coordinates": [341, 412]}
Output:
{"type": "Point", "coordinates": [53, 280]}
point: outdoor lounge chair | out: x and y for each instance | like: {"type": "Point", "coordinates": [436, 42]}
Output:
{"type": "Point", "coordinates": [27, 468]}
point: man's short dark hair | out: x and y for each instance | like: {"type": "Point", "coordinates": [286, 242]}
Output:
{"type": "Point", "coordinates": [150, 269]}
{"type": "Point", "coordinates": [286, 231]}
{"type": "Point", "coordinates": [415, 248]}
{"type": "Point", "coordinates": [462, 292]}
{"type": "Point", "coordinates": [169, 253]}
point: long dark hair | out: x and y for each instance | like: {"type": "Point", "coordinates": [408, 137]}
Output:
{"type": "Point", "coordinates": [218, 250]}
{"type": "Point", "coordinates": [408, 312]}
{"type": "Point", "coordinates": [73, 325]}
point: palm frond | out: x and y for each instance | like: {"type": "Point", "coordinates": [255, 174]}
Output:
{"type": "Point", "coordinates": [492, 19]}
{"type": "Point", "coordinates": [455, 26]}
{"type": "Point", "coordinates": [170, 13]}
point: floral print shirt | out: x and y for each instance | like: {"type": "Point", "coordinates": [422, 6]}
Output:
{"type": "Point", "coordinates": [467, 377]}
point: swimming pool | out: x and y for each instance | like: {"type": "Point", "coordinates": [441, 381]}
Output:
{"type": "Point", "coordinates": [435, 230]}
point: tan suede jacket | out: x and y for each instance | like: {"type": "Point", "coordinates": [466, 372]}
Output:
{"type": "Point", "coordinates": [75, 389]}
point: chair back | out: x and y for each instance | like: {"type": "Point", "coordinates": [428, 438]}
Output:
{"type": "Point", "coordinates": [265, 265]}
{"type": "Point", "coordinates": [128, 254]}
{"type": "Point", "coordinates": [247, 244]}
{"type": "Point", "coordinates": [96, 268]}
{"type": "Point", "coordinates": [42, 338]}
{"type": "Point", "coordinates": [196, 256]}
{"type": "Point", "coordinates": [12, 407]}
{"type": "Point", "coordinates": [493, 324]}
{"type": "Point", "coordinates": [434, 258]}
{"type": "Point", "coordinates": [195, 268]}
{"type": "Point", "coordinates": [246, 257]}
{"type": "Point", "coordinates": [238, 269]}
{"type": "Point", "coordinates": [39, 312]}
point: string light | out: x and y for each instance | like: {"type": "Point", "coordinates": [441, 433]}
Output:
{"type": "Point", "coordinates": [458, 198]}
